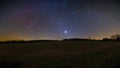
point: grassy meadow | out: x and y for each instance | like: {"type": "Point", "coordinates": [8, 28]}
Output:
{"type": "Point", "coordinates": [65, 54]}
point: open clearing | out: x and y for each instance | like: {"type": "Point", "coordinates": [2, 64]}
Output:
{"type": "Point", "coordinates": [67, 54]}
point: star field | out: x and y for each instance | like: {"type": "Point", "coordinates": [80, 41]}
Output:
{"type": "Point", "coordinates": [58, 19]}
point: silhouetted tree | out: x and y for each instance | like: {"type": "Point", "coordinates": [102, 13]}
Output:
{"type": "Point", "coordinates": [115, 37]}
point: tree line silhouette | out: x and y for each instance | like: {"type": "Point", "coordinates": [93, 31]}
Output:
{"type": "Point", "coordinates": [112, 38]}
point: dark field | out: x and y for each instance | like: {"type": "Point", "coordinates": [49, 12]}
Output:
{"type": "Point", "coordinates": [67, 54]}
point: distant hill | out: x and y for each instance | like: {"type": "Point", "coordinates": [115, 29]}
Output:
{"type": "Point", "coordinates": [77, 39]}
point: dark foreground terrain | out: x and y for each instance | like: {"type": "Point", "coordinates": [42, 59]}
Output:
{"type": "Point", "coordinates": [67, 54]}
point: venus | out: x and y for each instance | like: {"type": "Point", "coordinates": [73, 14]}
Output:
{"type": "Point", "coordinates": [65, 31]}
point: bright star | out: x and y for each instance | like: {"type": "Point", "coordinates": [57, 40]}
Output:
{"type": "Point", "coordinates": [65, 32]}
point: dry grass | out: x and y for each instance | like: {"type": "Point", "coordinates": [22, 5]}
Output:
{"type": "Point", "coordinates": [85, 54]}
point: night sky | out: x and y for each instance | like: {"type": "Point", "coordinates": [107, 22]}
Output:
{"type": "Point", "coordinates": [58, 19]}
